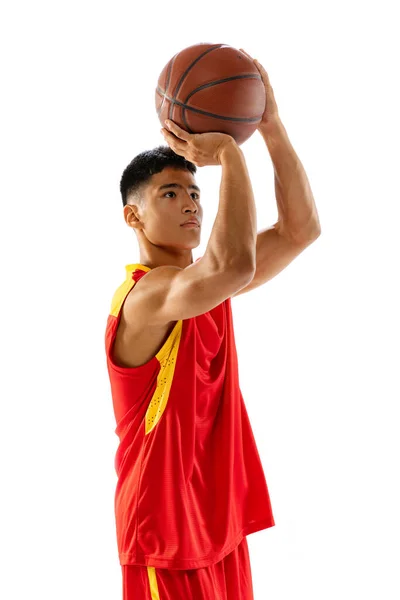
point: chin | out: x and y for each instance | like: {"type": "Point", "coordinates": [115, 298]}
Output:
{"type": "Point", "coordinates": [192, 246]}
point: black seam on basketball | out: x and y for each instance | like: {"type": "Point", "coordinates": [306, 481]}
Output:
{"type": "Point", "coordinates": [168, 77]}
{"type": "Point", "coordinates": [185, 121]}
{"type": "Point", "coordinates": [206, 85]}
{"type": "Point", "coordinates": [178, 87]}
{"type": "Point", "coordinates": [208, 114]}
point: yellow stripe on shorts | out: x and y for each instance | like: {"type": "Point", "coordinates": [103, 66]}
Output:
{"type": "Point", "coordinates": [151, 572]}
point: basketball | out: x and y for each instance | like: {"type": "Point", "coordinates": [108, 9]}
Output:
{"type": "Point", "coordinates": [211, 87]}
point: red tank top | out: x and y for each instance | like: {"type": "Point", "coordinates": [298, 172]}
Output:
{"type": "Point", "coordinates": [190, 480]}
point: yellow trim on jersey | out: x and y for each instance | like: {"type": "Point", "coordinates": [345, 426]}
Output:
{"type": "Point", "coordinates": [166, 355]}
{"type": "Point", "coordinates": [167, 358]}
{"type": "Point", "coordinates": [120, 296]}
{"type": "Point", "coordinates": [151, 572]}
{"type": "Point", "coordinates": [125, 288]}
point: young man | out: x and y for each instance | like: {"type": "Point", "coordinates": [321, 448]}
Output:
{"type": "Point", "coordinates": [190, 481]}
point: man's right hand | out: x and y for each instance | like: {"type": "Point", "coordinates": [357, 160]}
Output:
{"type": "Point", "coordinates": [199, 148]}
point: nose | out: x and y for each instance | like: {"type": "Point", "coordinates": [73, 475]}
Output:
{"type": "Point", "coordinates": [192, 204]}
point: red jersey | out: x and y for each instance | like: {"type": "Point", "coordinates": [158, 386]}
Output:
{"type": "Point", "coordinates": [190, 480]}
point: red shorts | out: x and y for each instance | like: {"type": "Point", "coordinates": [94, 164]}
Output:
{"type": "Point", "coordinates": [229, 579]}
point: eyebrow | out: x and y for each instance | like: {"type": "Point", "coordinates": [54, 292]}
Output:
{"type": "Point", "coordinates": [177, 185]}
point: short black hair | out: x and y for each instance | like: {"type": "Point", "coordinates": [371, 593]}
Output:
{"type": "Point", "coordinates": [146, 164]}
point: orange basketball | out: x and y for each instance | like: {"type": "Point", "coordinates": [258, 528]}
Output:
{"type": "Point", "coordinates": [211, 87]}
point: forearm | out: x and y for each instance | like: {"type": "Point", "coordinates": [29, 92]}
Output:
{"type": "Point", "coordinates": [234, 234]}
{"type": "Point", "coordinates": [297, 212]}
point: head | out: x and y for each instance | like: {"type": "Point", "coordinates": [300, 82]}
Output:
{"type": "Point", "coordinates": [159, 193]}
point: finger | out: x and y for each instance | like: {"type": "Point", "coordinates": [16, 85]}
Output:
{"type": "Point", "coordinates": [178, 131]}
{"type": "Point", "coordinates": [263, 73]}
{"type": "Point", "coordinates": [259, 65]}
{"type": "Point", "coordinates": [262, 70]}
{"type": "Point", "coordinates": [172, 137]}
{"type": "Point", "coordinates": [246, 53]}
{"type": "Point", "coordinates": [173, 142]}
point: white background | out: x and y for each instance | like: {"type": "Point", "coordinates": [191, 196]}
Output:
{"type": "Point", "coordinates": [318, 345]}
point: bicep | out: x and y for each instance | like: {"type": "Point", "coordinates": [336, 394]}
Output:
{"type": "Point", "coordinates": [169, 293]}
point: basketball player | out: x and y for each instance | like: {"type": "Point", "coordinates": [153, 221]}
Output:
{"type": "Point", "coordinates": [191, 486]}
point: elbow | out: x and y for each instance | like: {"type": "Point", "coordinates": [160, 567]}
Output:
{"type": "Point", "coordinates": [315, 230]}
{"type": "Point", "coordinates": [315, 233]}
{"type": "Point", "coordinates": [306, 236]}
{"type": "Point", "coordinates": [245, 268]}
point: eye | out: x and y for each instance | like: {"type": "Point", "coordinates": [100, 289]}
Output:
{"type": "Point", "coordinates": [193, 194]}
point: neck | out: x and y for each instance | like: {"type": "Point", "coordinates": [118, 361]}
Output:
{"type": "Point", "coordinates": [156, 257]}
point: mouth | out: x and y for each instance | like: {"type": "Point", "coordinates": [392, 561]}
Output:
{"type": "Point", "coordinates": [191, 224]}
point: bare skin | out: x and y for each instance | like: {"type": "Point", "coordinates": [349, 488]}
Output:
{"type": "Point", "coordinates": [136, 349]}
{"type": "Point", "coordinates": [237, 259]}
{"type": "Point", "coordinates": [163, 214]}
{"type": "Point", "coordinates": [162, 240]}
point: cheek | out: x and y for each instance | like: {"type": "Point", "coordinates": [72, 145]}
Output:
{"type": "Point", "coordinates": [165, 218]}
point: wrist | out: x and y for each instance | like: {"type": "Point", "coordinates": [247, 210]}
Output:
{"type": "Point", "coordinates": [229, 149]}
{"type": "Point", "coordinates": [275, 137]}
{"type": "Point", "coordinates": [274, 127]}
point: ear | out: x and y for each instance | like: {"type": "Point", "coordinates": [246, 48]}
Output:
{"type": "Point", "coordinates": [132, 216]}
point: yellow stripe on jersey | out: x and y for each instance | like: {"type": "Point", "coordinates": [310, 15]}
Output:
{"type": "Point", "coordinates": [124, 289]}
{"type": "Point", "coordinates": [166, 355]}
{"type": "Point", "coordinates": [151, 572]}
{"type": "Point", "coordinates": [167, 358]}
